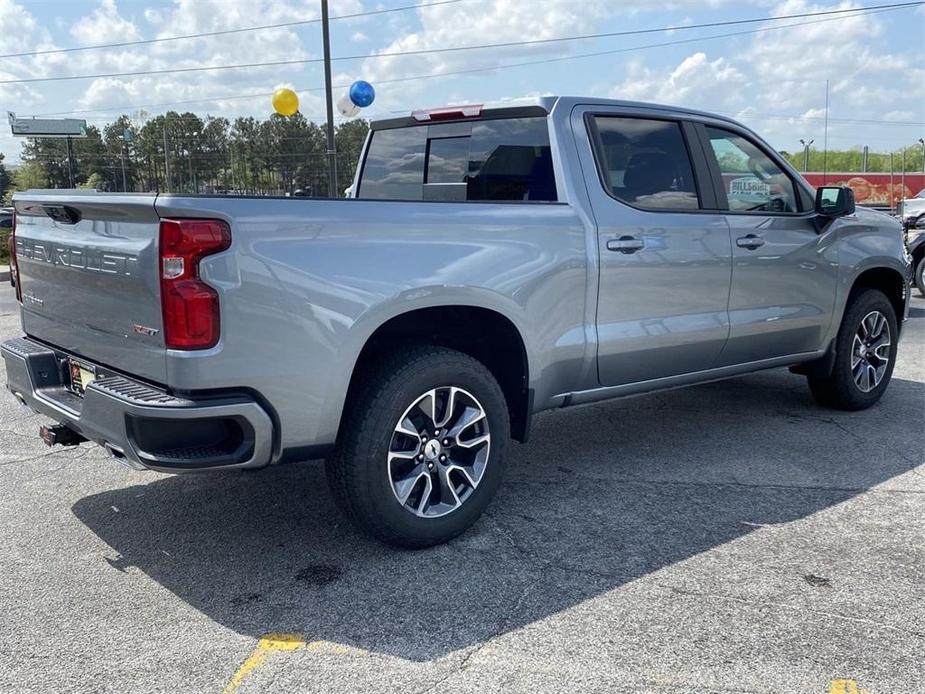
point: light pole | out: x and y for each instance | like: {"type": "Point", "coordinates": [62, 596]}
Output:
{"type": "Point", "coordinates": [806, 144]}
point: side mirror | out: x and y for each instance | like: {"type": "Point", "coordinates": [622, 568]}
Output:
{"type": "Point", "coordinates": [834, 201]}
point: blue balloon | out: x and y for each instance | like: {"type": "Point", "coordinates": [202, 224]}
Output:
{"type": "Point", "coordinates": [362, 93]}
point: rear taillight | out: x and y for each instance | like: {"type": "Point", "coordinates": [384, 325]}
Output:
{"type": "Point", "coordinates": [189, 305]}
{"type": "Point", "coordinates": [14, 264]}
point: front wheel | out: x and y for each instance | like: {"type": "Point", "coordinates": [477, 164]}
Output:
{"type": "Point", "coordinates": [865, 354]}
{"type": "Point", "coordinates": [421, 448]}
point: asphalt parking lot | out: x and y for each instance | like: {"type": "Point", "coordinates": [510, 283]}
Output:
{"type": "Point", "coordinates": [732, 537]}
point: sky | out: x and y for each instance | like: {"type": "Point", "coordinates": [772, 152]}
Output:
{"type": "Point", "coordinates": [774, 81]}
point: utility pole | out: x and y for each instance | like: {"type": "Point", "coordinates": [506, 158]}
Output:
{"type": "Point", "coordinates": [825, 145]}
{"type": "Point", "coordinates": [902, 184]}
{"type": "Point", "coordinates": [126, 138]}
{"type": "Point", "coordinates": [329, 99]}
{"type": "Point", "coordinates": [122, 157]}
{"type": "Point", "coordinates": [864, 157]}
{"type": "Point", "coordinates": [70, 167]}
{"type": "Point", "coordinates": [922, 142]}
{"type": "Point", "coordinates": [806, 144]}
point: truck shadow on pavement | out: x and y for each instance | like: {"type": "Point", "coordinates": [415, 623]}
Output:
{"type": "Point", "coordinates": [602, 495]}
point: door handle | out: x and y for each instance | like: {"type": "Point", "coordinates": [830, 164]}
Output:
{"type": "Point", "coordinates": [750, 241]}
{"type": "Point", "coordinates": [626, 244]}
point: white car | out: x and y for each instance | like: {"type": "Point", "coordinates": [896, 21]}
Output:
{"type": "Point", "coordinates": [913, 211]}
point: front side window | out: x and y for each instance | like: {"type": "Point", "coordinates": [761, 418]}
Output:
{"type": "Point", "coordinates": [753, 182]}
{"type": "Point", "coordinates": [506, 160]}
{"type": "Point", "coordinates": [646, 163]}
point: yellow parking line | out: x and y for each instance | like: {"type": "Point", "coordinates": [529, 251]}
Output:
{"type": "Point", "coordinates": [266, 645]}
{"type": "Point", "coordinates": [846, 687]}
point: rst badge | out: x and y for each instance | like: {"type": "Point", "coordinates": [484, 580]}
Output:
{"type": "Point", "coordinates": [144, 330]}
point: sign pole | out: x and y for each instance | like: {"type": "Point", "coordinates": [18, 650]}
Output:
{"type": "Point", "coordinates": [329, 99]}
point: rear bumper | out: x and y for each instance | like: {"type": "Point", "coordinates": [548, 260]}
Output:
{"type": "Point", "coordinates": [137, 423]}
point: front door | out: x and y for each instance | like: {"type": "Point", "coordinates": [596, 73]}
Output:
{"type": "Point", "coordinates": [784, 271]}
{"type": "Point", "coordinates": [665, 256]}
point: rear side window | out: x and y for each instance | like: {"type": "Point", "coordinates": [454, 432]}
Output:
{"type": "Point", "coordinates": [645, 163]}
{"type": "Point", "coordinates": [507, 160]}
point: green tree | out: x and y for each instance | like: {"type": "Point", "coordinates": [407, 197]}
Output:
{"type": "Point", "coordinates": [30, 174]}
{"type": "Point", "coordinates": [6, 179]}
{"type": "Point", "coordinates": [349, 140]}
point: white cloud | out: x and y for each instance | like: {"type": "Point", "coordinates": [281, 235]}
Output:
{"type": "Point", "coordinates": [104, 25]}
{"type": "Point", "coordinates": [496, 22]}
{"type": "Point", "coordinates": [773, 80]}
{"type": "Point", "coordinates": [696, 82]}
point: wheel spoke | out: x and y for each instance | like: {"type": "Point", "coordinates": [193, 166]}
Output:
{"type": "Point", "coordinates": [872, 379]}
{"type": "Point", "coordinates": [404, 487]}
{"type": "Point", "coordinates": [462, 471]}
{"type": "Point", "coordinates": [448, 493]}
{"type": "Point", "coordinates": [402, 455]}
{"type": "Point", "coordinates": [424, 501]}
{"type": "Point", "coordinates": [879, 324]}
{"type": "Point", "coordinates": [448, 409]}
{"type": "Point", "coordinates": [472, 443]}
{"type": "Point", "coordinates": [861, 377]}
{"type": "Point", "coordinates": [470, 416]}
{"type": "Point", "coordinates": [881, 347]}
{"type": "Point", "coordinates": [406, 427]}
{"type": "Point", "coordinates": [428, 405]}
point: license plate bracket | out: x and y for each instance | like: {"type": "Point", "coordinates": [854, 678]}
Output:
{"type": "Point", "coordinates": [81, 375]}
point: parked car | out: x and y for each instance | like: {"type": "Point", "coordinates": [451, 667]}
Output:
{"type": "Point", "coordinates": [493, 263]}
{"type": "Point", "coordinates": [912, 211]}
{"type": "Point", "coordinates": [915, 243]}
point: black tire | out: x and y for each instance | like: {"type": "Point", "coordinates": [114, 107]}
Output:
{"type": "Point", "coordinates": [839, 390]}
{"type": "Point", "coordinates": [919, 275]}
{"type": "Point", "coordinates": [359, 472]}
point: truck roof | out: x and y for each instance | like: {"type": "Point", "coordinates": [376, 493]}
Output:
{"type": "Point", "coordinates": [539, 105]}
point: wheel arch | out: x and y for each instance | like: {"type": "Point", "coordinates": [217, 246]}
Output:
{"type": "Point", "coordinates": [484, 333]}
{"type": "Point", "coordinates": [886, 279]}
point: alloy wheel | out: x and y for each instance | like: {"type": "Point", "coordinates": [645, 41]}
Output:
{"type": "Point", "coordinates": [870, 351]}
{"type": "Point", "coordinates": [438, 452]}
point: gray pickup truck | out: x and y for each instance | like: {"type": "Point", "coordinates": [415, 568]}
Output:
{"type": "Point", "coordinates": [494, 262]}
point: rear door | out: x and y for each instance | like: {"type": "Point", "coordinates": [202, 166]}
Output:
{"type": "Point", "coordinates": [88, 268]}
{"type": "Point", "coordinates": [665, 256]}
{"type": "Point", "coordinates": [784, 272]}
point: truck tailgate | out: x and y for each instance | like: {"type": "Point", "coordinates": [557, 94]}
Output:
{"type": "Point", "coordinates": [88, 268]}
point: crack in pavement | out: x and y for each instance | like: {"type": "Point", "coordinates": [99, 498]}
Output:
{"type": "Point", "coordinates": [789, 606]}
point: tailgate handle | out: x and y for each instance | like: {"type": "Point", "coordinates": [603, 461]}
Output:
{"type": "Point", "coordinates": [64, 214]}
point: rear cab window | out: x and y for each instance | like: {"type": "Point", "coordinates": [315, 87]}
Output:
{"type": "Point", "coordinates": [503, 160]}
{"type": "Point", "coordinates": [645, 163]}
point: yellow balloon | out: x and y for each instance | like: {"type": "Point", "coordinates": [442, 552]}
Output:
{"type": "Point", "coordinates": [285, 102]}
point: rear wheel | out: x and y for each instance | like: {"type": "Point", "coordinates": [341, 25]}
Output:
{"type": "Point", "coordinates": [421, 448]}
{"type": "Point", "coordinates": [865, 353]}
